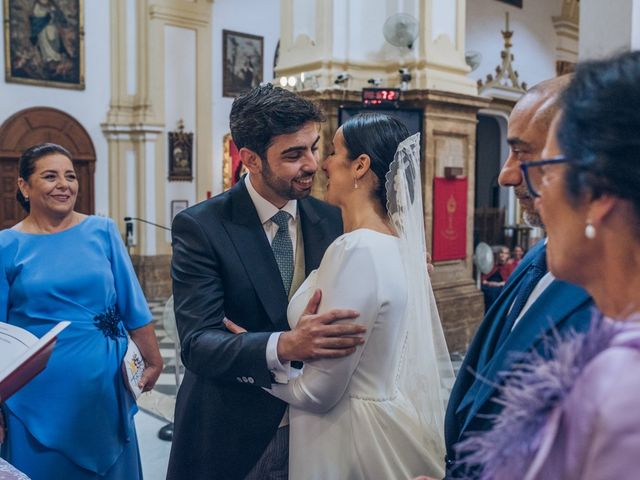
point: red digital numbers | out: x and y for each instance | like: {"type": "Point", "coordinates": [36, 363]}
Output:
{"type": "Point", "coordinates": [380, 96]}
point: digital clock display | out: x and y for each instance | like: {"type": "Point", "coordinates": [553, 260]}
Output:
{"type": "Point", "coordinates": [380, 96]}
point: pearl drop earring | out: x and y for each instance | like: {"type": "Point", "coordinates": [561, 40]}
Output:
{"type": "Point", "coordinates": [590, 231]}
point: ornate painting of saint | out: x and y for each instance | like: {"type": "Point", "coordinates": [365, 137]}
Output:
{"type": "Point", "coordinates": [44, 42]}
{"type": "Point", "coordinates": [180, 154]}
{"type": "Point", "coordinates": [243, 58]}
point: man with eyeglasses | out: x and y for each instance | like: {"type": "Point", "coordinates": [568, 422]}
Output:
{"type": "Point", "coordinates": [533, 303]}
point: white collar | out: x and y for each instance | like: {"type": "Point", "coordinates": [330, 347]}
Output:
{"type": "Point", "coordinates": [264, 207]}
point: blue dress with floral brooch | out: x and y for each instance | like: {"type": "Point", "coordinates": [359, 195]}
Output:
{"type": "Point", "coordinates": [74, 420]}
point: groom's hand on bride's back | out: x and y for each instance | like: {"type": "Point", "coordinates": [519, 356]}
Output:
{"type": "Point", "coordinates": [318, 336]}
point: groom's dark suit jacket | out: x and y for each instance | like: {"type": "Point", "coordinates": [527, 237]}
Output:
{"type": "Point", "coordinates": [561, 306]}
{"type": "Point", "coordinates": [222, 266]}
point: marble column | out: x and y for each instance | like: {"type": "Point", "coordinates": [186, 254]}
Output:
{"type": "Point", "coordinates": [139, 119]}
{"type": "Point", "coordinates": [567, 26]}
{"type": "Point", "coordinates": [324, 38]}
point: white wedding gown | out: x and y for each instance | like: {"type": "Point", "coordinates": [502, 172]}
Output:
{"type": "Point", "coordinates": [347, 418]}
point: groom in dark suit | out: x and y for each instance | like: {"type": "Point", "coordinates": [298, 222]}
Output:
{"type": "Point", "coordinates": [239, 255]}
{"type": "Point", "coordinates": [532, 302]}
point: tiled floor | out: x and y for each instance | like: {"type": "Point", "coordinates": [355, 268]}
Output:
{"type": "Point", "coordinates": [154, 452]}
{"type": "Point", "coordinates": [156, 407]}
{"type": "Point", "coordinates": [167, 382]}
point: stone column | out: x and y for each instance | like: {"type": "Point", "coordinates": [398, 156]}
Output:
{"type": "Point", "coordinates": [449, 140]}
{"type": "Point", "coordinates": [567, 29]}
{"type": "Point", "coordinates": [135, 125]}
{"type": "Point", "coordinates": [323, 38]}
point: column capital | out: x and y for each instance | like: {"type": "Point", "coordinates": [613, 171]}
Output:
{"type": "Point", "coordinates": [324, 38]}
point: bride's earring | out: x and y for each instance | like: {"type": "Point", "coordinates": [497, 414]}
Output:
{"type": "Point", "coordinates": [590, 231]}
{"type": "Point", "coordinates": [355, 183]}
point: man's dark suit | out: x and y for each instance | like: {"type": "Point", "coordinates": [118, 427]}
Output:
{"type": "Point", "coordinates": [561, 306]}
{"type": "Point", "coordinates": [222, 266]}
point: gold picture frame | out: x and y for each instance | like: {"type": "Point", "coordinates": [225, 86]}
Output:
{"type": "Point", "coordinates": [232, 167]}
{"type": "Point", "coordinates": [44, 43]}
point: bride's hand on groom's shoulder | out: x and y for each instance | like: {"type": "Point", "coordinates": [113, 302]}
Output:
{"type": "Point", "coordinates": [317, 336]}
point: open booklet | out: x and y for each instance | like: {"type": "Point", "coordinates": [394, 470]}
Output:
{"type": "Point", "coordinates": [23, 355]}
{"type": "Point", "coordinates": [132, 368]}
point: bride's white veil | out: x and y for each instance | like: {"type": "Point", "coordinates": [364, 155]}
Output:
{"type": "Point", "coordinates": [426, 374]}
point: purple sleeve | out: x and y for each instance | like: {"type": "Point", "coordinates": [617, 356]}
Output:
{"type": "Point", "coordinates": [597, 434]}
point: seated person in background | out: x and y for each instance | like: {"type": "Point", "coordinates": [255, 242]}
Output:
{"type": "Point", "coordinates": [518, 253]}
{"type": "Point", "coordinates": [493, 281]}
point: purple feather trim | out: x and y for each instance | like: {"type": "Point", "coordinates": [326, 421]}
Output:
{"type": "Point", "coordinates": [529, 394]}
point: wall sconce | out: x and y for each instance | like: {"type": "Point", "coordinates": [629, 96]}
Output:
{"type": "Point", "coordinates": [342, 78]}
{"type": "Point", "coordinates": [405, 78]}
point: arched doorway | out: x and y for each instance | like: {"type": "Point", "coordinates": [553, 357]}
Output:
{"type": "Point", "coordinates": [491, 201]}
{"type": "Point", "coordinates": [37, 125]}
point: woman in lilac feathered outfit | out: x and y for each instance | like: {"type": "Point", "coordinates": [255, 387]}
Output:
{"type": "Point", "coordinates": [577, 416]}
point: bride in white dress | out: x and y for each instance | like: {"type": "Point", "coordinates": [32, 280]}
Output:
{"type": "Point", "coordinates": [376, 414]}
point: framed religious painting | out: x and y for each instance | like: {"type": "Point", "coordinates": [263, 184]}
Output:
{"type": "Point", "coordinates": [242, 62]}
{"type": "Point", "coordinates": [44, 42]}
{"type": "Point", "coordinates": [177, 206]}
{"type": "Point", "coordinates": [515, 3]}
{"type": "Point", "coordinates": [180, 155]}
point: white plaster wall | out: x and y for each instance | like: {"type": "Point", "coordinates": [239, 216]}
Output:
{"type": "Point", "coordinates": [256, 17]}
{"type": "Point", "coordinates": [364, 31]}
{"type": "Point", "coordinates": [605, 30]}
{"type": "Point", "coordinates": [88, 106]}
{"type": "Point", "coordinates": [303, 23]}
{"type": "Point", "coordinates": [179, 103]}
{"type": "Point", "coordinates": [635, 25]}
{"type": "Point", "coordinates": [534, 38]}
{"type": "Point", "coordinates": [358, 36]}
{"type": "Point", "coordinates": [444, 19]}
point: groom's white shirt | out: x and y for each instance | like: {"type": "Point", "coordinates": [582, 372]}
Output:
{"type": "Point", "coordinates": [266, 210]}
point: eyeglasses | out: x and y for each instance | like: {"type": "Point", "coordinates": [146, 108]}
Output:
{"type": "Point", "coordinates": [533, 173]}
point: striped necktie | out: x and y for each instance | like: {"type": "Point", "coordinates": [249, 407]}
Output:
{"type": "Point", "coordinates": [282, 247]}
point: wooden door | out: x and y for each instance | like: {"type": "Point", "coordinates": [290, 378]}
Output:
{"type": "Point", "coordinates": [10, 210]}
{"type": "Point", "coordinates": [38, 125]}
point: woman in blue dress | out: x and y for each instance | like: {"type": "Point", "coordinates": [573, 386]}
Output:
{"type": "Point", "coordinates": [74, 421]}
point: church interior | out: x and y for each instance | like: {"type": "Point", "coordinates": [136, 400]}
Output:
{"type": "Point", "coordinates": [139, 91]}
